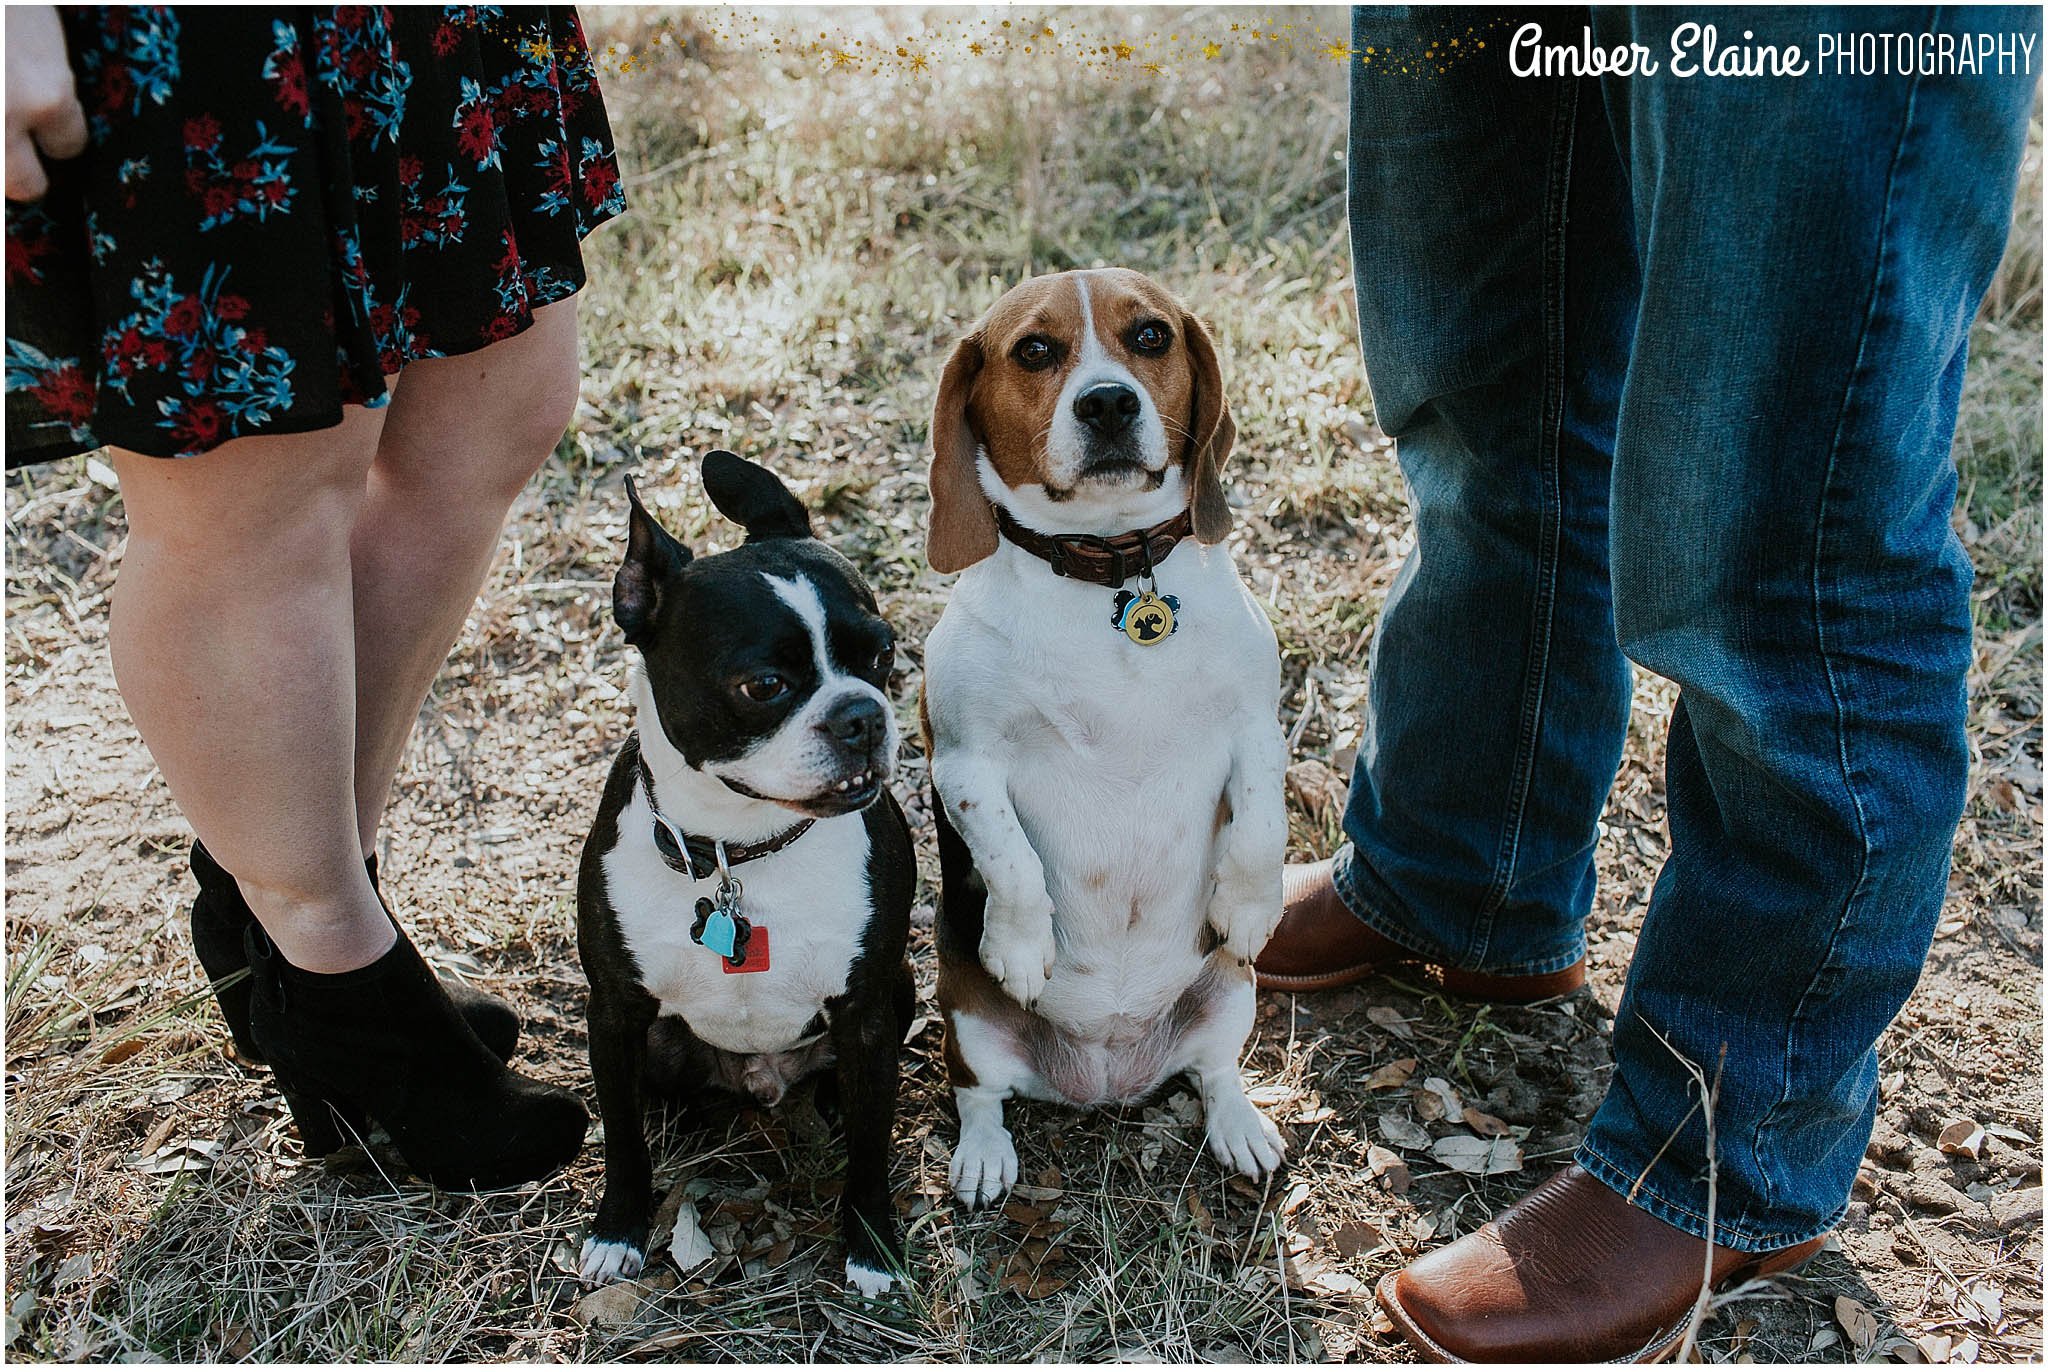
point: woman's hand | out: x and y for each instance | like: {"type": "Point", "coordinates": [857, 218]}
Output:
{"type": "Point", "coordinates": [43, 114]}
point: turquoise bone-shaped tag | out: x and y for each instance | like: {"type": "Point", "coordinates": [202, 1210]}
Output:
{"type": "Point", "coordinates": [720, 932]}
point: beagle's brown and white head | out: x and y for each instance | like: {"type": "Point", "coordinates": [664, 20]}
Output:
{"type": "Point", "coordinates": [1086, 402]}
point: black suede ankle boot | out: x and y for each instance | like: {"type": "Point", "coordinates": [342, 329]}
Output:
{"type": "Point", "coordinates": [221, 916]}
{"type": "Point", "coordinates": [384, 1043]}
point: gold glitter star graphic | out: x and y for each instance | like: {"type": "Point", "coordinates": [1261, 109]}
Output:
{"type": "Point", "coordinates": [1124, 51]}
{"type": "Point", "coordinates": [1210, 49]}
{"type": "Point", "coordinates": [841, 59]}
{"type": "Point", "coordinates": [1338, 52]}
{"type": "Point", "coordinates": [974, 48]}
{"type": "Point", "coordinates": [918, 61]}
{"type": "Point", "coordinates": [538, 49]}
{"type": "Point", "coordinates": [1154, 68]}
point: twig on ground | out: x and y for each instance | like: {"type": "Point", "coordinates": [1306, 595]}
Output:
{"type": "Point", "coordinates": [1708, 1096]}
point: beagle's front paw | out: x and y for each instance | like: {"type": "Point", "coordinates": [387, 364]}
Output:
{"type": "Point", "coordinates": [1018, 947]}
{"type": "Point", "coordinates": [1242, 1139]}
{"type": "Point", "coordinates": [984, 1165]}
{"type": "Point", "coordinates": [1245, 927]}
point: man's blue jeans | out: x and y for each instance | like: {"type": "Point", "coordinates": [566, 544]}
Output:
{"type": "Point", "coordinates": [1673, 366]}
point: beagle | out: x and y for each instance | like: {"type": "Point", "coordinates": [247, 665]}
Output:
{"type": "Point", "coordinates": [1101, 711]}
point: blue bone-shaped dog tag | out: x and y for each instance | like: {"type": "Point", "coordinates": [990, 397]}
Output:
{"type": "Point", "coordinates": [721, 933]}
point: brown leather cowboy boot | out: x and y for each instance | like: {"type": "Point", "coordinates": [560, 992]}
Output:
{"type": "Point", "coordinates": [1321, 944]}
{"type": "Point", "coordinates": [1572, 1273]}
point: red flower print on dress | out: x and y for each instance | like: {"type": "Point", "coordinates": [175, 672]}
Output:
{"type": "Point", "coordinates": [185, 317]}
{"type": "Point", "coordinates": [285, 69]}
{"type": "Point", "coordinates": [197, 425]}
{"type": "Point", "coordinates": [476, 134]}
{"type": "Point", "coordinates": [599, 178]}
{"type": "Point", "coordinates": [28, 241]}
{"type": "Point", "coordinates": [68, 394]}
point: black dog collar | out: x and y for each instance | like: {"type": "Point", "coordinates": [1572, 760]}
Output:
{"type": "Point", "coordinates": [1099, 560]}
{"type": "Point", "coordinates": [698, 856]}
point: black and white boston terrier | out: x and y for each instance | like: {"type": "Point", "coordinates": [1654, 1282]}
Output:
{"type": "Point", "coordinates": [743, 906]}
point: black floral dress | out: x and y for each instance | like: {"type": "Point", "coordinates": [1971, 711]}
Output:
{"type": "Point", "coordinates": [279, 208]}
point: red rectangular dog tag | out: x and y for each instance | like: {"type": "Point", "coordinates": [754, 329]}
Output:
{"type": "Point", "coordinates": [757, 953]}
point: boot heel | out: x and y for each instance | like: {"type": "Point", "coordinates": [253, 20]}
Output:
{"type": "Point", "coordinates": [325, 1126]}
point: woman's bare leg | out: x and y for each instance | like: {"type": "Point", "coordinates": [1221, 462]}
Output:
{"type": "Point", "coordinates": [233, 637]}
{"type": "Point", "coordinates": [462, 437]}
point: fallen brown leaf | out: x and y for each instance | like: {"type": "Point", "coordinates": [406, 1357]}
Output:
{"type": "Point", "coordinates": [1381, 1163]}
{"type": "Point", "coordinates": [1033, 1286]}
{"type": "Point", "coordinates": [1485, 1123]}
{"type": "Point", "coordinates": [1962, 1137]}
{"type": "Point", "coordinates": [1390, 1020]}
{"type": "Point", "coordinates": [1404, 1133]}
{"type": "Point", "coordinates": [1392, 1074]}
{"type": "Point", "coordinates": [1471, 1155]}
{"type": "Point", "coordinates": [1857, 1323]}
{"type": "Point", "coordinates": [1357, 1238]}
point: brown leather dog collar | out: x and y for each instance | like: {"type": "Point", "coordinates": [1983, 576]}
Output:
{"type": "Point", "coordinates": [1099, 560]}
{"type": "Point", "coordinates": [697, 856]}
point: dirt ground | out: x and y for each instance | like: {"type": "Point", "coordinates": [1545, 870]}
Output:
{"type": "Point", "coordinates": [156, 1203]}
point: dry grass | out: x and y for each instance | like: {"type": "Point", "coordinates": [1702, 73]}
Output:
{"type": "Point", "coordinates": [800, 250]}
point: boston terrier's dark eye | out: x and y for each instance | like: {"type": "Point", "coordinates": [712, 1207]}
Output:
{"type": "Point", "coordinates": [885, 658]}
{"type": "Point", "coordinates": [765, 688]}
{"type": "Point", "coordinates": [1151, 338]}
{"type": "Point", "coordinates": [1035, 353]}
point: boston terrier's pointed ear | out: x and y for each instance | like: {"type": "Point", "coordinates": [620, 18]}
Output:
{"type": "Point", "coordinates": [752, 497]}
{"type": "Point", "coordinates": [653, 561]}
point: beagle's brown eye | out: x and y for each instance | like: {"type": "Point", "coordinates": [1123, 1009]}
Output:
{"type": "Point", "coordinates": [1151, 338]}
{"type": "Point", "coordinates": [764, 688]}
{"type": "Point", "coordinates": [1035, 353]}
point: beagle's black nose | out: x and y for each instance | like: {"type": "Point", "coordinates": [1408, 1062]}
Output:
{"type": "Point", "coordinates": [1107, 408]}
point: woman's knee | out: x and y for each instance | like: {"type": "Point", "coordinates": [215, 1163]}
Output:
{"type": "Point", "coordinates": [477, 427]}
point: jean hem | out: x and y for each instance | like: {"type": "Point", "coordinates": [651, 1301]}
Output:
{"type": "Point", "coordinates": [1346, 880]}
{"type": "Point", "coordinates": [1735, 1234]}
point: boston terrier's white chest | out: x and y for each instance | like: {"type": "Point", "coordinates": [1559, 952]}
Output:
{"type": "Point", "coordinates": [811, 899]}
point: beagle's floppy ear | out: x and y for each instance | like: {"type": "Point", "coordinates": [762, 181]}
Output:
{"type": "Point", "coordinates": [653, 562]}
{"type": "Point", "coordinates": [1210, 434]}
{"type": "Point", "coordinates": [963, 528]}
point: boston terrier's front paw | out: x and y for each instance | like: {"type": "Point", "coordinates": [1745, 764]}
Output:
{"type": "Point", "coordinates": [605, 1261]}
{"type": "Point", "coordinates": [867, 1280]}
